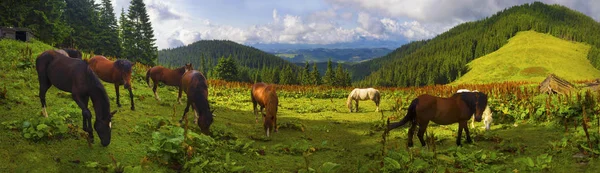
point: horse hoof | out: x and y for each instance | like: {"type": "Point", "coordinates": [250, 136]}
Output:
{"type": "Point", "coordinates": [118, 105]}
{"type": "Point", "coordinates": [133, 108]}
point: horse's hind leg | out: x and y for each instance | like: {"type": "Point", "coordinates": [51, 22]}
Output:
{"type": "Point", "coordinates": [422, 130]}
{"type": "Point", "coordinates": [117, 90]}
{"type": "Point", "coordinates": [82, 102]}
{"type": "Point", "coordinates": [154, 90]}
{"type": "Point", "coordinates": [461, 125]}
{"type": "Point", "coordinates": [44, 86]}
{"type": "Point", "coordinates": [411, 133]}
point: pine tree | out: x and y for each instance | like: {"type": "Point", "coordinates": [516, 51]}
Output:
{"type": "Point", "coordinates": [315, 76]}
{"type": "Point", "coordinates": [126, 36]}
{"type": "Point", "coordinates": [143, 49]}
{"type": "Point", "coordinates": [226, 69]}
{"type": "Point", "coordinates": [109, 31]}
{"type": "Point", "coordinates": [83, 17]}
{"type": "Point", "coordinates": [305, 80]}
{"type": "Point", "coordinates": [329, 78]}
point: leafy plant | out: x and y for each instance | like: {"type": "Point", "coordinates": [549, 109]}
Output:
{"type": "Point", "coordinates": [541, 162]}
{"type": "Point", "coordinates": [53, 127]}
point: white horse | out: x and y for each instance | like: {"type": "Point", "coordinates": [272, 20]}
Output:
{"type": "Point", "coordinates": [487, 113]}
{"type": "Point", "coordinates": [363, 94]}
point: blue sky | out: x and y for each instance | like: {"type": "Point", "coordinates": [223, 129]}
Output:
{"type": "Point", "coordinates": [181, 22]}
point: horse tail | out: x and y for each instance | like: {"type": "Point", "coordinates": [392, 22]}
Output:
{"type": "Point", "coordinates": [148, 76]}
{"type": "Point", "coordinates": [410, 115]}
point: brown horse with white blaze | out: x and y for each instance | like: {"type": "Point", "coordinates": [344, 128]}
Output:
{"type": "Point", "coordinates": [458, 108]}
{"type": "Point", "coordinates": [167, 76]}
{"type": "Point", "coordinates": [196, 88]}
{"type": "Point", "coordinates": [117, 72]}
{"type": "Point", "coordinates": [266, 97]}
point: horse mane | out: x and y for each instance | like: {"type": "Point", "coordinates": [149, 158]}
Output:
{"type": "Point", "coordinates": [180, 70]}
{"type": "Point", "coordinates": [473, 98]}
{"type": "Point", "coordinates": [350, 96]}
{"type": "Point", "coordinates": [97, 94]}
{"type": "Point", "coordinates": [123, 65]}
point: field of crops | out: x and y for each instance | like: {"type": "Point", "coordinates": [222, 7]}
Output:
{"type": "Point", "coordinates": [532, 132]}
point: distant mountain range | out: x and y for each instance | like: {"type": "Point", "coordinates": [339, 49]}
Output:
{"type": "Point", "coordinates": [361, 43]}
{"type": "Point", "coordinates": [336, 55]}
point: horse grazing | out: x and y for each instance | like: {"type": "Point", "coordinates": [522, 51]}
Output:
{"type": "Point", "coordinates": [196, 88]}
{"type": "Point", "coordinates": [363, 94]}
{"type": "Point", "coordinates": [457, 108]}
{"type": "Point", "coordinates": [73, 53]}
{"type": "Point", "coordinates": [167, 76]}
{"type": "Point", "coordinates": [487, 113]}
{"type": "Point", "coordinates": [266, 96]}
{"type": "Point", "coordinates": [117, 72]}
{"type": "Point", "coordinates": [74, 76]}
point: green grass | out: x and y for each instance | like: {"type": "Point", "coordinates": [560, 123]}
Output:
{"type": "Point", "coordinates": [324, 126]}
{"type": "Point", "coordinates": [531, 56]}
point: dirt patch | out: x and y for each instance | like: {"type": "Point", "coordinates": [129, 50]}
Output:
{"type": "Point", "coordinates": [534, 71]}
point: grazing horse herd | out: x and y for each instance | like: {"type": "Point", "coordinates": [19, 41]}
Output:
{"type": "Point", "coordinates": [66, 70]}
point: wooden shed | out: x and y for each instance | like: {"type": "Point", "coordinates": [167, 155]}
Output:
{"type": "Point", "coordinates": [554, 84]}
{"type": "Point", "coordinates": [22, 34]}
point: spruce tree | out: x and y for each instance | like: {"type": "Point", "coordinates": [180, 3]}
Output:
{"type": "Point", "coordinates": [329, 78]}
{"type": "Point", "coordinates": [126, 36]}
{"type": "Point", "coordinates": [83, 17]}
{"type": "Point", "coordinates": [315, 76]}
{"type": "Point", "coordinates": [226, 69]}
{"type": "Point", "coordinates": [143, 49]}
{"type": "Point", "coordinates": [305, 80]}
{"type": "Point", "coordinates": [109, 31]}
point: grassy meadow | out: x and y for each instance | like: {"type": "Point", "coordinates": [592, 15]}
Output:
{"type": "Point", "coordinates": [531, 56]}
{"type": "Point", "coordinates": [316, 131]}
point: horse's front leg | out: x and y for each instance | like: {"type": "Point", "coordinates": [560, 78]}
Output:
{"type": "Point", "coordinates": [187, 108]}
{"type": "Point", "coordinates": [461, 125]}
{"type": "Point", "coordinates": [356, 105]}
{"type": "Point", "coordinates": [467, 133]}
{"type": "Point", "coordinates": [82, 102]}
{"type": "Point", "coordinates": [117, 90]}
{"type": "Point", "coordinates": [131, 97]}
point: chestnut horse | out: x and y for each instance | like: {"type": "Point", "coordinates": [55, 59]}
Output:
{"type": "Point", "coordinates": [457, 108]}
{"type": "Point", "coordinates": [266, 96]}
{"type": "Point", "coordinates": [117, 72]}
{"type": "Point", "coordinates": [74, 76]}
{"type": "Point", "coordinates": [196, 88]}
{"type": "Point", "coordinates": [167, 76]}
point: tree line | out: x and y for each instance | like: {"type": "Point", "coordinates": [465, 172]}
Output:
{"type": "Point", "coordinates": [87, 26]}
{"type": "Point", "coordinates": [227, 60]}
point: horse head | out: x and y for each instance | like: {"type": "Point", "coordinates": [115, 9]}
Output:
{"type": "Point", "coordinates": [477, 102]}
{"type": "Point", "coordinates": [124, 67]}
{"type": "Point", "coordinates": [188, 67]}
{"type": "Point", "coordinates": [103, 128]}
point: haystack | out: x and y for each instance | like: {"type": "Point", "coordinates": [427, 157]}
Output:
{"type": "Point", "coordinates": [554, 84]}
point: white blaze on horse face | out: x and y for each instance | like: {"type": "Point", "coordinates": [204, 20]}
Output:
{"type": "Point", "coordinates": [110, 125]}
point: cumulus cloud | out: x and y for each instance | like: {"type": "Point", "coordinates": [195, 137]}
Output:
{"type": "Point", "coordinates": [339, 21]}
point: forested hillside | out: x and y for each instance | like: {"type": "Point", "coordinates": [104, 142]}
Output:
{"type": "Point", "coordinates": [443, 59]}
{"type": "Point", "coordinates": [204, 55]}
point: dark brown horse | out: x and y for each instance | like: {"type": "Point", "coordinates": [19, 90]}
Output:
{"type": "Point", "coordinates": [167, 76]}
{"type": "Point", "coordinates": [73, 53]}
{"type": "Point", "coordinates": [117, 72]}
{"type": "Point", "coordinates": [196, 88]}
{"type": "Point", "coordinates": [74, 76]}
{"type": "Point", "coordinates": [266, 96]}
{"type": "Point", "coordinates": [458, 108]}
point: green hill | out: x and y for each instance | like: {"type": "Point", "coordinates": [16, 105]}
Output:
{"type": "Point", "coordinates": [204, 55]}
{"type": "Point", "coordinates": [443, 59]}
{"type": "Point", "coordinates": [531, 56]}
